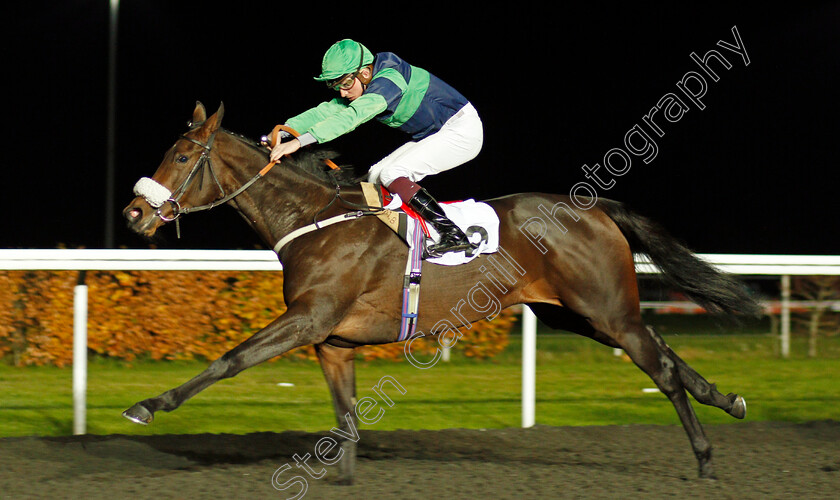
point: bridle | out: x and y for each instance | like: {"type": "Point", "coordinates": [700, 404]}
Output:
{"type": "Point", "coordinates": [173, 198]}
{"type": "Point", "coordinates": [203, 161]}
{"type": "Point", "coordinates": [163, 196]}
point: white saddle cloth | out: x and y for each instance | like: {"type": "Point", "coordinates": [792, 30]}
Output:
{"type": "Point", "coordinates": [478, 220]}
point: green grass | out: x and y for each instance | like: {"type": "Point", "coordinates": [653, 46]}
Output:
{"type": "Point", "coordinates": [579, 382]}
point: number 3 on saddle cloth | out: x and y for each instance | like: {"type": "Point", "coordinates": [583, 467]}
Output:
{"type": "Point", "coordinates": [478, 221]}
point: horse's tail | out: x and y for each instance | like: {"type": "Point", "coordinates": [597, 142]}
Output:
{"type": "Point", "coordinates": [715, 291]}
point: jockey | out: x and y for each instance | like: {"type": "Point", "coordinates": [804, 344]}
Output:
{"type": "Point", "coordinates": [444, 127]}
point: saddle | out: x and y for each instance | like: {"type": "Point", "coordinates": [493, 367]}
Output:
{"type": "Point", "coordinates": [378, 197]}
{"type": "Point", "coordinates": [478, 221]}
{"type": "Point", "coordinates": [473, 218]}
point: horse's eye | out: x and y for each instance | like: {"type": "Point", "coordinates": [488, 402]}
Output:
{"type": "Point", "coordinates": [181, 159]}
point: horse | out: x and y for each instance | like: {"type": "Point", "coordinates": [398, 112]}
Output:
{"type": "Point", "coordinates": [571, 260]}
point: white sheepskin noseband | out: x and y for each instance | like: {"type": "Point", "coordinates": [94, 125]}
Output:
{"type": "Point", "coordinates": [153, 192]}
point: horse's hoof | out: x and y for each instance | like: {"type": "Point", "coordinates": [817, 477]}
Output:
{"type": "Point", "coordinates": [138, 414]}
{"type": "Point", "coordinates": [739, 407]}
{"type": "Point", "coordinates": [705, 469]}
{"type": "Point", "coordinates": [708, 474]}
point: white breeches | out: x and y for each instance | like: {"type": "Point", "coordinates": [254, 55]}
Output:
{"type": "Point", "coordinates": [457, 142]}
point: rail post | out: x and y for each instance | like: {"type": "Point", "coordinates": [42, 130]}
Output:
{"type": "Point", "coordinates": [785, 313]}
{"type": "Point", "coordinates": [80, 305]}
{"type": "Point", "coordinates": [529, 361]}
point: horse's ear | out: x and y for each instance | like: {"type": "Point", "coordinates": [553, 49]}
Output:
{"type": "Point", "coordinates": [216, 119]}
{"type": "Point", "coordinates": [211, 125]}
{"type": "Point", "coordinates": [199, 114]}
{"type": "Point", "coordinates": [214, 122]}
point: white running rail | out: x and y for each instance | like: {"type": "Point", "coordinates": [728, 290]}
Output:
{"type": "Point", "coordinates": [784, 266]}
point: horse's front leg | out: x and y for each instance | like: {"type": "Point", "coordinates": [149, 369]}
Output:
{"type": "Point", "coordinates": [297, 327]}
{"type": "Point", "coordinates": [338, 364]}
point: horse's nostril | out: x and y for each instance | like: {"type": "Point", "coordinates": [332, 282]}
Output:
{"type": "Point", "coordinates": [133, 213]}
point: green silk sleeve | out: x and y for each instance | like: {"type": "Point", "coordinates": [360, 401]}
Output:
{"type": "Point", "coordinates": [337, 117]}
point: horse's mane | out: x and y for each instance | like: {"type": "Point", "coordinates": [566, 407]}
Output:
{"type": "Point", "coordinates": [311, 160]}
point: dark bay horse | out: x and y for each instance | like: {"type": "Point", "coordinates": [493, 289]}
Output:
{"type": "Point", "coordinates": [572, 264]}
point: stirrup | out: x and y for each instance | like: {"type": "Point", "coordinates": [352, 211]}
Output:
{"type": "Point", "coordinates": [465, 246]}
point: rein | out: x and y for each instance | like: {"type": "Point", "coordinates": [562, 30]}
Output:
{"type": "Point", "coordinates": [163, 196]}
{"type": "Point", "coordinates": [173, 198]}
{"type": "Point", "coordinates": [294, 133]}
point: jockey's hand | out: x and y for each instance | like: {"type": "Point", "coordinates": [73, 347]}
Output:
{"type": "Point", "coordinates": [283, 149]}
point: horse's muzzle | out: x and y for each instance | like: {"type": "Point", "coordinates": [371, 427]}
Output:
{"type": "Point", "coordinates": [140, 217]}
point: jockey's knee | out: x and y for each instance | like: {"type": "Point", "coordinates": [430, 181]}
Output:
{"type": "Point", "coordinates": [404, 187]}
{"type": "Point", "coordinates": [393, 173]}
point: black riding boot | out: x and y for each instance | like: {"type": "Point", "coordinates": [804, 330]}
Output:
{"type": "Point", "coordinates": [452, 239]}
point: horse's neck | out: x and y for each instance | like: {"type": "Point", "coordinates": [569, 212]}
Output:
{"type": "Point", "coordinates": [282, 201]}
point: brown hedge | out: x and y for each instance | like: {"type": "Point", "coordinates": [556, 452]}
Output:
{"type": "Point", "coordinates": [169, 315]}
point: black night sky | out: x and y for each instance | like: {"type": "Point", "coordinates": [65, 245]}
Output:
{"type": "Point", "coordinates": [558, 86]}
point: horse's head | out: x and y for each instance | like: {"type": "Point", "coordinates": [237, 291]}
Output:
{"type": "Point", "coordinates": [185, 179]}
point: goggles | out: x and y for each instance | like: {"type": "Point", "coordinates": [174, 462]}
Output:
{"type": "Point", "coordinates": [347, 81]}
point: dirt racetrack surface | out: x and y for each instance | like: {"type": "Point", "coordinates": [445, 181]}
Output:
{"type": "Point", "coordinates": [753, 460]}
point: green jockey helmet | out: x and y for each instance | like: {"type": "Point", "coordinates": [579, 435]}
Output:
{"type": "Point", "coordinates": [342, 58]}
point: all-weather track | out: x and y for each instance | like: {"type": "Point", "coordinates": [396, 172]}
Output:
{"type": "Point", "coordinates": [753, 460]}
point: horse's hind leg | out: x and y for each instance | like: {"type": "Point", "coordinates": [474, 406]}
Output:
{"type": "Point", "coordinates": [694, 383]}
{"type": "Point", "coordinates": [651, 354]}
{"type": "Point", "coordinates": [699, 387]}
{"type": "Point", "coordinates": [338, 365]}
{"type": "Point", "coordinates": [659, 365]}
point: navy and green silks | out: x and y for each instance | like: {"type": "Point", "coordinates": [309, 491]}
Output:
{"type": "Point", "coordinates": [399, 95]}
